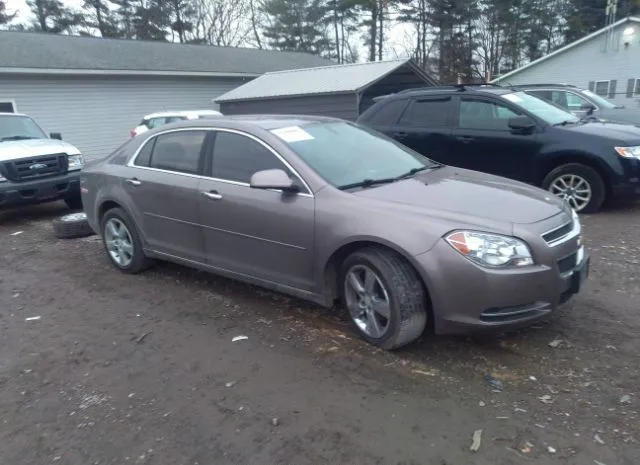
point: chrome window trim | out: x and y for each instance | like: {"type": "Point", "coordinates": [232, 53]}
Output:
{"type": "Point", "coordinates": [131, 162]}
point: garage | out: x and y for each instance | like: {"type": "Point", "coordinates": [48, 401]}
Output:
{"type": "Point", "coordinates": [95, 90]}
{"type": "Point", "coordinates": [341, 91]}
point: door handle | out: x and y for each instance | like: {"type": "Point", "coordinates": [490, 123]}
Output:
{"type": "Point", "coordinates": [213, 195]}
{"type": "Point", "coordinates": [134, 181]}
{"type": "Point", "coordinates": [464, 139]}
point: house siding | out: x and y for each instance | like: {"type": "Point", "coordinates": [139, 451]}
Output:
{"type": "Point", "coordinates": [336, 105]}
{"type": "Point", "coordinates": [96, 114]}
{"type": "Point", "coordinates": [590, 62]}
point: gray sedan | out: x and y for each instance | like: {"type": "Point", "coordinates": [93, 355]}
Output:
{"type": "Point", "coordinates": [325, 210]}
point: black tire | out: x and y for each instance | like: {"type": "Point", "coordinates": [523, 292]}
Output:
{"type": "Point", "coordinates": [591, 176]}
{"type": "Point", "coordinates": [72, 226]}
{"type": "Point", "coordinates": [407, 296]}
{"type": "Point", "coordinates": [139, 261]}
{"type": "Point", "coordinates": [74, 203]}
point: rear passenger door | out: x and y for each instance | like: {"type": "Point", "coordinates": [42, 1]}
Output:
{"type": "Point", "coordinates": [425, 126]}
{"type": "Point", "coordinates": [164, 188]}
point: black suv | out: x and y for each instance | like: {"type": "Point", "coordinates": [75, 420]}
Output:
{"type": "Point", "coordinates": [583, 102]}
{"type": "Point", "coordinates": [510, 133]}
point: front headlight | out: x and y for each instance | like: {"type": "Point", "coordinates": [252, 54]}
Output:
{"type": "Point", "coordinates": [2, 178]}
{"type": "Point", "coordinates": [491, 250]}
{"type": "Point", "coordinates": [76, 162]}
{"type": "Point", "coordinates": [629, 152]}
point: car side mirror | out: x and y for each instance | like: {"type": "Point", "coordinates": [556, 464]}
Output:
{"type": "Point", "coordinates": [56, 135]}
{"type": "Point", "coordinates": [273, 179]}
{"type": "Point", "coordinates": [521, 124]}
{"type": "Point", "coordinates": [587, 107]}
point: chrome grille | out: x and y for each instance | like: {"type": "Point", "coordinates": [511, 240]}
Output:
{"type": "Point", "coordinates": [27, 169]}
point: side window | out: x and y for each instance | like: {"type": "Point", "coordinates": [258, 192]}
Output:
{"type": "Point", "coordinates": [480, 114]}
{"type": "Point", "coordinates": [575, 102]}
{"type": "Point", "coordinates": [155, 123]}
{"type": "Point", "coordinates": [237, 158]}
{"type": "Point", "coordinates": [430, 113]}
{"type": "Point", "coordinates": [144, 156]}
{"type": "Point", "coordinates": [388, 113]}
{"type": "Point", "coordinates": [559, 97]}
{"type": "Point", "coordinates": [173, 119]}
{"type": "Point", "coordinates": [543, 94]}
{"type": "Point", "coordinates": [178, 151]}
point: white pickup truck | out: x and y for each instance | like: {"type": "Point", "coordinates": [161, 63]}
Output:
{"type": "Point", "coordinates": [34, 167]}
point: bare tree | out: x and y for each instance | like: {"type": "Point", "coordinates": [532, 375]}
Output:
{"type": "Point", "coordinates": [222, 22]}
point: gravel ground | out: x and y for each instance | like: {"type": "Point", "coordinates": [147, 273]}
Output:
{"type": "Point", "coordinates": [142, 369]}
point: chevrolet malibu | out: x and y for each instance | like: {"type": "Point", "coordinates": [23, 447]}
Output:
{"type": "Point", "coordinates": [325, 210]}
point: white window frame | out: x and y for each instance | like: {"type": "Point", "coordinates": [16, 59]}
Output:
{"type": "Point", "coordinates": [595, 88]}
{"type": "Point", "coordinates": [11, 101]}
{"type": "Point", "coordinates": [636, 88]}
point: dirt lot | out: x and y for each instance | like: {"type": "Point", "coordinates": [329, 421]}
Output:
{"type": "Point", "coordinates": [142, 369]}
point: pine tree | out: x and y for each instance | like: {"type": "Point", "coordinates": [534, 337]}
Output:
{"type": "Point", "coordinates": [102, 17]}
{"type": "Point", "coordinates": [297, 25]}
{"type": "Point", "coordinates": [52, 16]}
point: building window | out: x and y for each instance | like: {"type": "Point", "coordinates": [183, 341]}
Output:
{"type": "Point", "coordinates": [7, 106]}
{"type": "Point", "coordinates": [602, 88]}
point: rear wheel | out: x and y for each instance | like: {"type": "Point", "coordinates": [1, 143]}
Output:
{"type": "Point", "coordinates": [122, 242]}
{"type": "Point", "coordinates": [384, 297]}
{"type": "Point", "coordinates": [579, 185]}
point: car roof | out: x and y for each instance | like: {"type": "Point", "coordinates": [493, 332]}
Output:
{"type": "Point", "coordinates": [162, 114]}
{"type": "Point", "coordinates": [13, 114]}
{"type": "Point", "coordinates": [461, 88]}
{"type": "Point", "coordinates": [261, 121]}
{"type": "Point", "coordinates": [532, 86]}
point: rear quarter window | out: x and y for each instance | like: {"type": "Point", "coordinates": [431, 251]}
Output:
{"type": "Point", "coordinates": [386, 113]}
{"type": "Point", "coordinates": [120, 155]}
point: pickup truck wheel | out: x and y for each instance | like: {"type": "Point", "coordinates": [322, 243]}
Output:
{"type": "Point", "coordinates": [71, 226]}
{"type": "Point", "coordinates": [74, 203]}
{"type": "Point", "coordinates": [122, 242]}
{"type": "Point", "coordinates": [580, 185]}
{"type": "Point", "coordinates": [384, 297]}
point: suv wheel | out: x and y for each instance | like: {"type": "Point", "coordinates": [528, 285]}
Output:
{"type": "Point", "coordinates": [384, 297]}
{"type": "Point", "coordinates": [580, 185]}
{"type": "Point", "coordinates": [122, 241]}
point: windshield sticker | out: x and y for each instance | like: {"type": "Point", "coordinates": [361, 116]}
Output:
{"type": "Point", "coordinates": [513, 98]}
{"type": "Point", "coordinates": [292, 134]}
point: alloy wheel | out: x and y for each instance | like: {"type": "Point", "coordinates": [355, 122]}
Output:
{"type": "Point", "coordinates": [367, 301]}
{"type": "Point", "coordinates": [118, 241]}
{"type": "Point", "coordinates": [573, 189]}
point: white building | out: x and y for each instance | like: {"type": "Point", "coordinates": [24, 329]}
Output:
{"type": "Point", "coordinates": [606, 62]}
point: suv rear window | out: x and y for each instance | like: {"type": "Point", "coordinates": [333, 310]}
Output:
{"type": "Point", "coordinates": [388, 113]}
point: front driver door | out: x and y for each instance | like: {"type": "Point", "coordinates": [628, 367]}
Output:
{"type": "Point", "coordinates": [484, 141]}
{"type": "Point", "coordinates": [265, 234]}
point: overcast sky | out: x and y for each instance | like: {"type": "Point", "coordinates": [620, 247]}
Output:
{"type": "Point", "coordinates": [395, 40]}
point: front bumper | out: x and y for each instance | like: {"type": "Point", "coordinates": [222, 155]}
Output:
{"type": "Point", "coordinates": [467, 298]}
{"type": "Point", "coordinates": [40, 191]}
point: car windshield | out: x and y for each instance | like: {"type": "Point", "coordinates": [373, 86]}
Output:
{"type": "Point", "coordinates": [14, 127]}
{"type": "Point", "coordinates": [547, 112]}
{"type": "Point", "coordinates": [345, 154]}
{"type": "Point", "coordinates": [602, 102]}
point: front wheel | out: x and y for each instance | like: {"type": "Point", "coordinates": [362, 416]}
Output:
{"type": "Point", "coordinates": [384, 296]}
{"type": "Point", "coordinates": [579, 185]}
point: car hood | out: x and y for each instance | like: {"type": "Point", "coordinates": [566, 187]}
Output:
{"type": "Point", "coordinates": [620, 115]}
{"type": "Point", "coordinates": [470, 194]}
{"type": "Point", "coordinates": [624, 133]}
{"type": "Point", "coordinates": [16, 149]}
